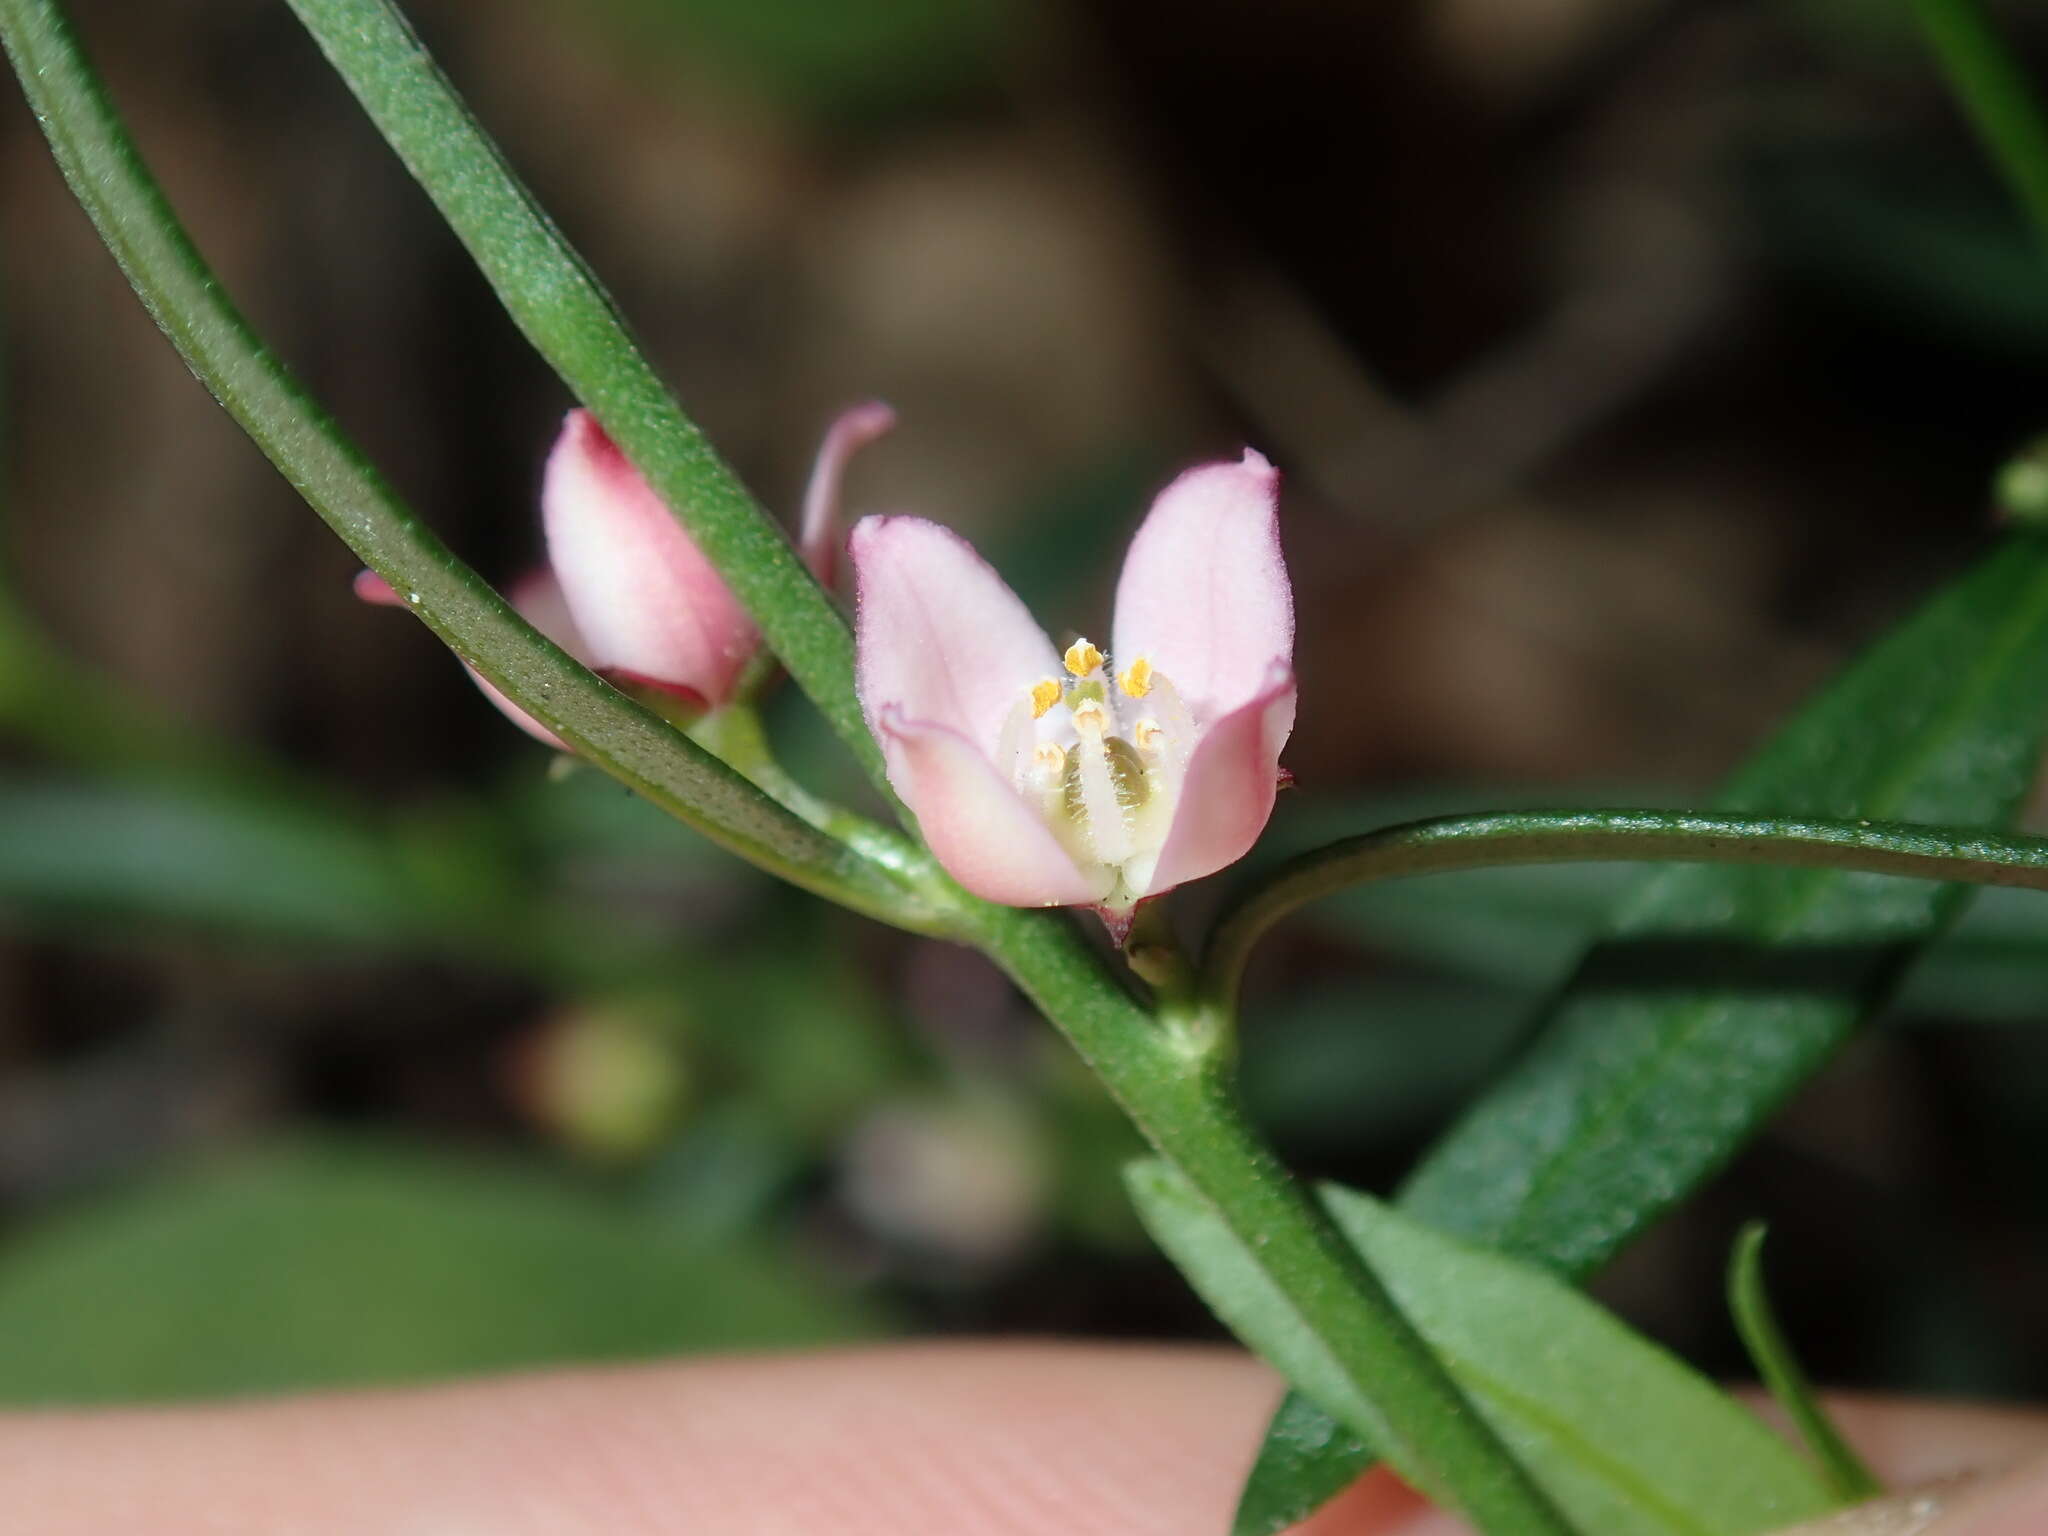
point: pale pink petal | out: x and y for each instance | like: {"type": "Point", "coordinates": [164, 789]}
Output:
{"type": "Point", "coordinates": [647, 601]}
{"type": "Point", "coordinates": [977, 826]}
{"type": "Point", "coordinates": [938, 634]}
{"type": "Point", "coordinates": [1227, 793]}
{"type": "Point", "coordinates": [538, 599]}
{"type": "Point", "coordinates": [821, 540]}
{"type": "Point", "coordinates": [371, 588]}
{"type": "Point", "coordinates": [1204, 594]}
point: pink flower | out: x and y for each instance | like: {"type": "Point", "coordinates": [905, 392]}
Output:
{"type": "Point", "coordinates": [627, 593]}
{"type": "Point", "coordinates": [1042, 779]}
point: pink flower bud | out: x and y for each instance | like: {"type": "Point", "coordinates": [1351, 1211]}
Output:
{"type": "Point", "coordinates": [649, 605]}
{"type": "Point", "coordinates": [626, 591]}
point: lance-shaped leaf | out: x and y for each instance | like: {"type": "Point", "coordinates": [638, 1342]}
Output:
{"type": "Point", "coordinates": [1625, 1438]}
{"type": "Point", "coordinates": [1720, 990]}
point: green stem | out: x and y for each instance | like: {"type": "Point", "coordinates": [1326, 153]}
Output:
{"type": "Point", "coordinates": [109, 179]}
{"type": "Point", "coordinates": [553, 298]}
{"type": "Point", "coordinates": [1996, 93]}
{"type": "Point", "coordinates": [1567, 837]}
{"type": "Point", "coordinates": [1755, 1321]}
{"type": "Point", "coordinates": [1174, 1086]}
{"type": "Point", "coordinates": [736, 736]}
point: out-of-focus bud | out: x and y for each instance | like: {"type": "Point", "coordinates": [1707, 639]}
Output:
{"type": "Point", "coordinates": [962, 1183]}
{"type": "Point", "coordinates": [606, 1079]}
{"type": "Point", "coordinates": [628, 593]}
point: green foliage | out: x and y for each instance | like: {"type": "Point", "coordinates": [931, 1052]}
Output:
{"type": "Point", "coordinates": [1626, 1439]}
{"type": "Point", "coordinates": [314, 1265]}
{"type": "Point", "coordinates": [213, 862]}
{"type": "Point", "coordinates": [1719, 990]}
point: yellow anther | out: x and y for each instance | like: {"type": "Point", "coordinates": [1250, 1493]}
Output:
{"type": "Point", "coordinates": [1149, 735]}
{"type": "Point", "coordinates": [1090, 718]}
{"type": "Point", "coordinates": [1136, 679]}
{"type": "Point", "coordinates": [1044, 694]}
{"type": "Point", "coordinates": [1050, 759]}
{"type": "Point", "coordinates": [1082, 659]}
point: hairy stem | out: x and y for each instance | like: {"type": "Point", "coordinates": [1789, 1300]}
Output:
{"type": "Point", "coordinates": [1174, 1084]}
{"type": "Point", "coordinates": [553, 298]}
{"type": "Point", "coordinates": [108, 177]}
{"type": "Point", "coordinates": [1566, 837]}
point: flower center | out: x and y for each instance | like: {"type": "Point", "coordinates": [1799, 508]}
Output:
{"type": "Point", "coordinates": [1104, 777]}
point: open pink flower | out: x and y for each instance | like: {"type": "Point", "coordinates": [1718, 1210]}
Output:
{"type": "Point", "coordinates": [1042, 779]}
{"type": "Point", "coordinates": [626, 592]}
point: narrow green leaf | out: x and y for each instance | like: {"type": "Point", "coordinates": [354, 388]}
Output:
{"type": "Point", "coordinates": [556, 301]}
{"type": "Point", "coordinates": [1256, 1295]}
{"type": "Point", "coordinates": [1757, 1323]}
{"type": "Point", "coordinates": [1720, 990]}
{"type": "Point", "coordinates": [1626, 1439]}
{"type": "Point", "coordinates": [220, 863]}
{"type": "Point", "coordinates": [109, 179]}
{"type": "Point", "coordinates": [315, 1264]}
{"type": "Point", "coordinates": [1992, 86]}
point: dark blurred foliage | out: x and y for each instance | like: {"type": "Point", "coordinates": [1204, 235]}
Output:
{"type": "Point", "coordinates": [1631, 361]}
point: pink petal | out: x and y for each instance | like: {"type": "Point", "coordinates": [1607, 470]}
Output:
{"type": "Point", "coordinates": [979, 827]}
{"type": "Point", "coordinates": [373, 589]}
{"type": "Point", "coordinates": [1227, 793]}
{"type": "Point", "coordinates": [538, 599]}
{"type": "Point", "coordinates": [938, 634]}
{"type": "Point", "coordinates": [850, 432]}
{"type": "Point", "coordinates": [1204, 594]}
{"type": "Point", "coordinates": [647, 601]}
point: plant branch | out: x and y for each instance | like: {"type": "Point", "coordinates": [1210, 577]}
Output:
{"type": "Point", "coordinates": [556, 301]}
{"type": "Point", "coordinates": [1565, 837]}
{"type": "Point", "coordinates": [173, 281]}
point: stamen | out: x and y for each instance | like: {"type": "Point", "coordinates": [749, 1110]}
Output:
{"type": "Point", "coordinates": [1090, 718]}
{"type": "Point", "coordinates": [1050, 760]}
{"type": "Point", "coordinates": [1137, 680]}
{"type": "Point", "coordinates": [1149, 735]}
{"type": "Point", "coordinates": [1044, 694]}
{"type": "Point", "coordinates": [1082, 659]}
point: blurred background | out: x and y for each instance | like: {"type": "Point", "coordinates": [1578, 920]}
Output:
{"type": "Point", "coordinates": [1631, 361]}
